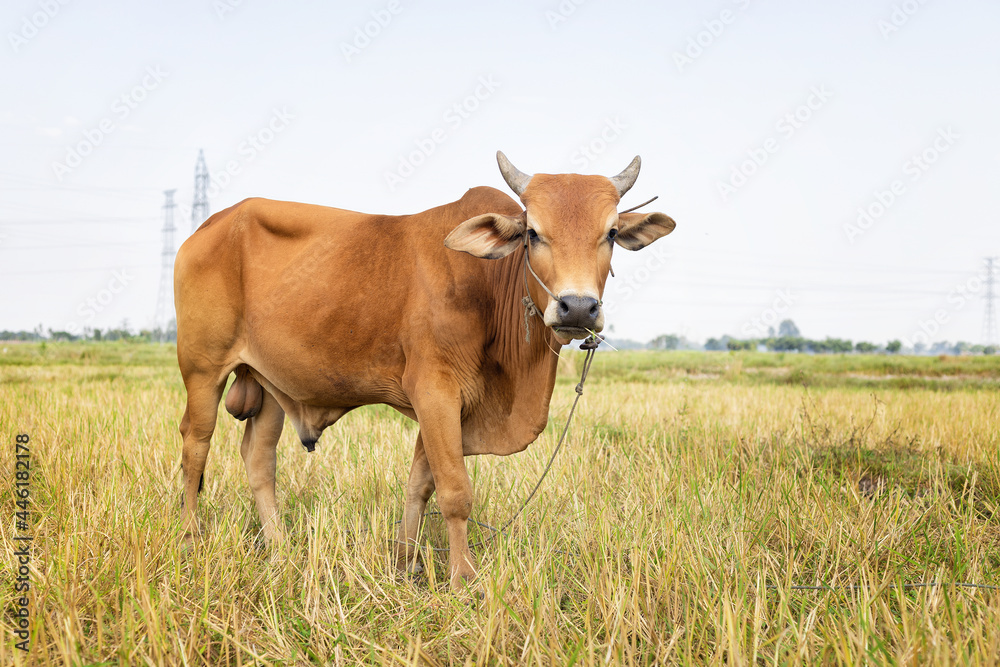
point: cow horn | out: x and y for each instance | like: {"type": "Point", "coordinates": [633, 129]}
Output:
{"type": "Point", "coordinates": [516, 179]}
{"type": "Point", "coordinates": [625, 180]}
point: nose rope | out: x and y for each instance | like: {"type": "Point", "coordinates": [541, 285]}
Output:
{"type": "Point", "coordinates": [530, 309]}
{"type": "Point", "coordinates": [535, 276]}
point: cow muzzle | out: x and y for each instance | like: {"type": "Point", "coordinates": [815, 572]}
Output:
{"type": "Point", "coordinates": [569, 315]}
{"type": "Point", "coordinates": [576, 316]}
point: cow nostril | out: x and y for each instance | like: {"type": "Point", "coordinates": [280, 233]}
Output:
{"type": "Point", "coordinates": [578, 311]}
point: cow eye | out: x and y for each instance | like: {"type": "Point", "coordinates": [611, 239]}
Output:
{"type": "Point", "coordinates": [612, 233]}
{"type": "Point", "coordinates": [532, 235]}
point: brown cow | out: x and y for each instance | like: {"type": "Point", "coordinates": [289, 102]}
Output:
{"type": "Point", "coordinates": [320, 310]}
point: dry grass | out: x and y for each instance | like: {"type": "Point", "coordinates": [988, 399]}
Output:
{"type": "Point", "coordinates": [671, 529]}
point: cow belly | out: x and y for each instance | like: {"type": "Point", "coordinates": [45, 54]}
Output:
{"type": "Point", "coordinates": [329, 398]}
{"type": "Point", "coordinates": [309, 420]}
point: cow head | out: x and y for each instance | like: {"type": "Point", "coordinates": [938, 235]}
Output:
{"type": "Point", "coordinates": [569, 226]}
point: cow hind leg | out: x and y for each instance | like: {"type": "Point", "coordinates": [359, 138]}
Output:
{"type": "Point", "coordinates": [259, 451]}
{"type": "Point", "coordinates": [419, 488]}
{"type": "Point", "coordinates": [197, 427]}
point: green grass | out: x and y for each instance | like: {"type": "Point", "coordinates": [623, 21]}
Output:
{"type": "Point", "coordinates": [864, 371]}
{"type": "Point", "coordinates": [87, 354]}
{"type": "Point", "coordinates": [695, 490]}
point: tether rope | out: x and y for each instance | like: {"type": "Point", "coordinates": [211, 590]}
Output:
{"type": "Point", "coordinates": [590, 345]}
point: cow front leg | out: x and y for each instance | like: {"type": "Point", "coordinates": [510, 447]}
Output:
{"type": "Point", "coordinates": [419, 488]}
{"type": "Point", "coordinates": [439, 414]}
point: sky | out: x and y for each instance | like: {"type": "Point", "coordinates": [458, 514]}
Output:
{"type": "Point", "coordinates": [831, 163]}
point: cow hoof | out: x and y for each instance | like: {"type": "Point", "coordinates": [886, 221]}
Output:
{"type": "Point", "coordinates": [189, 540]}
{"type": "Point", "coordinates": [460, 581]}
{"type": "Point", "coordinates": [410, 566]}
{"type": "Point", "coordinates": [274, 538]}
{"type": "Point", "coordinates": [471, 596]}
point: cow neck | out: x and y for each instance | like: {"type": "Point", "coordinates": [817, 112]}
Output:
{"type": "Point", "coordinates": [510, 321]}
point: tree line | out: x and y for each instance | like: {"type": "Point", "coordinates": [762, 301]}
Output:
{"type": "Point", "coordinates": [788, 338]}
{"type": "Point", "coordinates": [123, 332]}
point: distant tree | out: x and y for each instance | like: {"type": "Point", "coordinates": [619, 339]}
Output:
{"type": "Point", "coordinates": [736, 345]}
{"type": "Point", "coordinates": [942, 347]}
{"type": "Point", "coordinates": [786, 344]}
{"type": "Point", "coordinates": [893, 347]}
{"type": "Point", "coordinates": [820, 346]}
{"type": "Point", "coordinates": [990, 349]}
{"type": "Point", "coordinates": [61, 335]}
{"type": "Point", "coordinates": [20, 335]}
{"type": "Point", "coordinates": [865, 347]}
{"type": "Point", "coordinates": [788, 328]}
{"type": "Point", "coordinates": [665, 342]}
{"type": "Point", "coordinates": [840, 345]}
{"type": "Point", "coordinates": [837, 345]}
{"type": "Point", "coordinates": [714, 344]}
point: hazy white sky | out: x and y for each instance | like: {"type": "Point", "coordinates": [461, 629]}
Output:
{"type": "Point", "coordinates": [764, 127]}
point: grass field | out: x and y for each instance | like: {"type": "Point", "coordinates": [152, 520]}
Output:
{"type": "Point", "coordinates": [695, 491]}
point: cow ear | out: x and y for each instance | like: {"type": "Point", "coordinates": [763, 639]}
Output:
{"type": "Point", "coordinates": [638, 230]}
{"type": "Point", "coordinates": [490, 236]}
